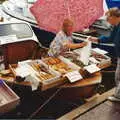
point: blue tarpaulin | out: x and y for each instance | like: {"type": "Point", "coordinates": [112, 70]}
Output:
{"type": "Point", "coordinates": [1, 82]}
{"type": "Point", "coordinates": [113, 3]}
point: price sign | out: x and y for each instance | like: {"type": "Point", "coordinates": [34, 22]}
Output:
{"type": "Point", "coordinates": [73, 76]}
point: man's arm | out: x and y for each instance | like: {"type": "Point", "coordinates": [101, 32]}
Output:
{"type": "Point", "coordinates": [75, 45]}
{"type": "Point", "coordinates": [104, 39]}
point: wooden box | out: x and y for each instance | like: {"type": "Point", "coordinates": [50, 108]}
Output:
{"type": "Point", "coordinates": [60, 64]}
{"type": "Point", "coordinates": [45, 83]}
{"type": "Point", "coordinates": [8, 99]}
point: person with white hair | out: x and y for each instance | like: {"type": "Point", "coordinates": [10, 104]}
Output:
{"type": "Point", "coordinates": [63, 40]}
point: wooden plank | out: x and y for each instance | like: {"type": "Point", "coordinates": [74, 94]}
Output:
{"type": "Point", "coordinates": [56, 83]}
{"type": "Point", "coordinates": [89, 105]}
{"type": "Point", "coordinates": [101, 112]}
{"type": "Point", "coordinates": [93, 97]}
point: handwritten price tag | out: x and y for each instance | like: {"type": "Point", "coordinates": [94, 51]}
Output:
{"type": "Point", "coordinates": [92, 68]}
{"type": "Point", "coordinates": [73, 76]}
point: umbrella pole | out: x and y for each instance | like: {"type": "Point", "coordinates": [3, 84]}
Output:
{"type": "Point", "coordinates": [66, 4]}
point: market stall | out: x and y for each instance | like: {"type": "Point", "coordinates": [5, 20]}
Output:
{"type": "Point", "coordinates": [70, 77]}
{"type": "Point", "coordinates": [49, 72]}
{"type": "Point", "coordinates": [73, 75]}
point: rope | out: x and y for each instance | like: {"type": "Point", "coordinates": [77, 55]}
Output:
{"type": "Point", "coordinates": [45, 103]}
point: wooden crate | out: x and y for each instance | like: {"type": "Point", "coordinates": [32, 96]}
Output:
{"type": "Point", "coordinates": [43, 84]}
{"type": "Point", "coordinates": [8, 99]}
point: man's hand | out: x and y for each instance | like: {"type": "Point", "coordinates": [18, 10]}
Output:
{"type": "Point", "coordinates": [94, 39]}
{"type": "Point", "coordinates": [83, 44]}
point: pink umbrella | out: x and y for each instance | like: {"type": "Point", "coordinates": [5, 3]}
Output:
{"type": "Point", "coordinates": [50, 14]}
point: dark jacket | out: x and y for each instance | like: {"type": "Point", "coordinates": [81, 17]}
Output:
{"type": "Point", "coordinates": [113, 38]}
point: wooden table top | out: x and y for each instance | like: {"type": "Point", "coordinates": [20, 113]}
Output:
{"type": "Point", "coordinates": [92, 79]}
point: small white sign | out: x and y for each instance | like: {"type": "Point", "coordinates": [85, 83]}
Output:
{"type": "Point", "coordinates": [73, 76]}
{"type": "Point", "coordinates": [93, 60]}
{"type": "Point", "coordinates": [24, 70]}
{"type": "Point", "coordinates": [92, 68]}
{"type": "Point", "coordinates": [100, 51]}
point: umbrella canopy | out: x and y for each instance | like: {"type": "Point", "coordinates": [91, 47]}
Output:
{"type": "Point", "coordinates": [50, 14]}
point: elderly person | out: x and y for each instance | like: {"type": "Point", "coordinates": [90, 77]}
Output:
{"type": "Point", "coordinates": [63, 40]}
{"type": "Point", "coordinates": [113, 17]}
